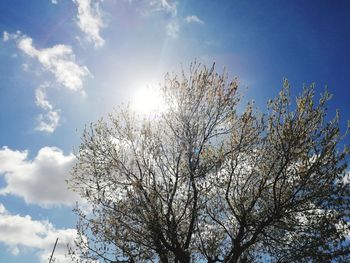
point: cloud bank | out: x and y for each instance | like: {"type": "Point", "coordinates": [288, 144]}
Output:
{"type": "Point", "coordinates": [22, 232]}
{"type": "Point", "coordinates": [40, 181]}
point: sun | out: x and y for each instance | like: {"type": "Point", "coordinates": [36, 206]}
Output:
{"type": "Point", "coordinates": [148, 100]}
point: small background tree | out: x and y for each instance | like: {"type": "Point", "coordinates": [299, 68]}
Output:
{"type": "Point", "coordinates": [200, 181]}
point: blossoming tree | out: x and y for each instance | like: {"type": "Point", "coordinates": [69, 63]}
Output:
{"type": "Point", "coordinates": [204, 181]}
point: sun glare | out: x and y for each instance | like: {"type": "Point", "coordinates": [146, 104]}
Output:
{"type": "Point", "coordinates": [148, 100]}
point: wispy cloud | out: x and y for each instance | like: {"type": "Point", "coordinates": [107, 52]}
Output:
{"type": "Point", "coordinates": [89, 20]}
{"type": "Point", "coordinates": [170, 8]}
{"type": "Point", "coordinates": [39, 181]}
{"type": "Point", "coordinates": [41, 99]}
{"type": "Point", "coordinates": [194, 19]}
{"type": "Point", "coordinates": [22, 232]}
{"type": "Point", "coordinates": [59, 60]}
{"type": "Point", "coordinates": [6, 36]}
{"type": "Point", "coordinates": [173, 29]}
{"type": "Point", "coordinates": [49, 120]}
{"type": "Point", "coordinates": [165, 6]}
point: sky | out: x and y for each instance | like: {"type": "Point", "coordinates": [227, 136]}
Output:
{"type": "Point", "coordinates": [67, 63]}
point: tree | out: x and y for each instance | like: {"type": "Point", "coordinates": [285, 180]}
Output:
{"type": "Point", "coordinates": [203, 181]}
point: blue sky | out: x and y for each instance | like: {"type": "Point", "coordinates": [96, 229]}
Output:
{"type": "Point", "coordinates": [66, 63]}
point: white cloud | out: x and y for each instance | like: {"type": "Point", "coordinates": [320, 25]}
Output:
{"type": "Point", "coordinates": [167, 7]}
{"type": "Point", "coordinates": [39, 181]}
{"type": "Point", "coordinates": [41, 99]}
{"type": "Point", "coordinates": [21, 232]}
{"type": "Point", "coordinates": [164, 5]}
{"type": "Point", "coordinates": [7, 36]}
{"type": "Point", "coordinates": [89, 20]}
{"type": "Point", "coordinates": [59, 60]}
{"type": "Point", "coordinates": [173, 29]}
{"type": "Point", "coordinates": [48, 121]}
{"type": "Point", "coordinates": [194, 19]}
{"type": "Point", "coordinates": [2, 209]}
{"type": "Point", "coordinates": [55, 2]}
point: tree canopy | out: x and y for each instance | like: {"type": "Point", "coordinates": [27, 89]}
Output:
{"type": "Point", "coordinates": [205, 181]}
